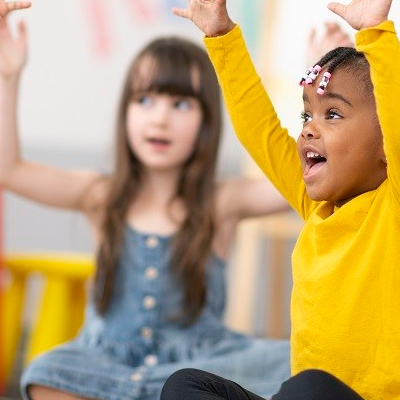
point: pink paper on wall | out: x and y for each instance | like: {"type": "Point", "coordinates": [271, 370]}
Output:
{"type": "Point", "coordinates": [142, 10]}
{"type": "Point", "coordinates": [101, 29]}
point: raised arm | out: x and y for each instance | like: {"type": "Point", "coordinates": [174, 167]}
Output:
{"type": "Point", "coordinates": [249, 197]}
{"type": "Point", "coordinates": [377, 39]}
{"type": "Point", "coordinates": [241, 198]}
{"type": "Point", "coordinates": [251, 111]}
{"type": "Point", "coordinates": [46, 185]}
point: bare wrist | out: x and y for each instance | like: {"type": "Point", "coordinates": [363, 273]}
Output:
{"type": "Point", "coordinates": [231, 25]}
{"type": "Point", "coordinates": [9, 81]}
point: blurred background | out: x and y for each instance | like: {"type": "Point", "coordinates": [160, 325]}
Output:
{"type": "Point", "coordinates": [79, 51]}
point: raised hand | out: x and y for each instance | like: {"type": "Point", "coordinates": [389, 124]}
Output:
{"type": "Point", "coordinates": [13, 51]}
{"type": "Point", "coordinates": [361, 14]}
{"type": "Point", "coordinates": [211, 16]}
{"type": "Point", "coordinates": [333, 36]}
{"type": "Point", "coordinates": [6, 7]}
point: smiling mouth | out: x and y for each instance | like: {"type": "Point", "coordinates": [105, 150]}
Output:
{"type": "Point", "coordinates": [314, 161]}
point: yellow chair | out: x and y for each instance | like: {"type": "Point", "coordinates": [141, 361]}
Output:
{"type": "Point", "coordinates": [58, 314]}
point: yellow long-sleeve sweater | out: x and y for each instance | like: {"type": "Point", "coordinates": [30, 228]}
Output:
{"type": "Point", "coordinates": [346, 262]}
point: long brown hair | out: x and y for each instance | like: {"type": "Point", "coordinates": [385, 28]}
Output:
{"type": "Point", "coordinates": [176, 61]}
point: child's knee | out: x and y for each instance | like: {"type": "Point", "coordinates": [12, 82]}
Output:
{"type": "Point", "coordinates": [37, 392]}
{"type": "Point", "coordinates": [317, 385]}
{"type": "Point", "coordinates": [179, 383]}
{"type": "Point", "coordinates": [316, 377]}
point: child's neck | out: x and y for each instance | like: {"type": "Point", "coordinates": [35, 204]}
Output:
{"type": "Point", "coordinates": [152, 210]}
{"type": "Point", "coordinates": [158, 187]}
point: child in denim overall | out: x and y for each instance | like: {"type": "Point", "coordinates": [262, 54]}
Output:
{"type": "Point", "coordinates": [163, 227]}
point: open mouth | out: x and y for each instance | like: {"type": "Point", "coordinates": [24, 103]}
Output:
{"type": "Point", "coordinates": [314, 162]}
{"type": "Point", "coordinates": [158, 141]}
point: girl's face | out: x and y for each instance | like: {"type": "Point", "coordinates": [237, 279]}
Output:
{"type": "Point", "coordinates": [340, 146]}
{"type": "Point", "coordinates": [163, 129]}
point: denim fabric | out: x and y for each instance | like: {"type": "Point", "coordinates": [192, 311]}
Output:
{"type": "Point", "coordinates": [130, 351]}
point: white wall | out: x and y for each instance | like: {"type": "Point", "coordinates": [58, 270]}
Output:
{"type": "Point", "coordinates": [72, 82]}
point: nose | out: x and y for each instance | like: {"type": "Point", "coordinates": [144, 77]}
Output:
{"type": "Point", "coordinates": [310, 131]}
{"type": "Point", "coordinates": [307, 135]}
{"type": "Point", "coordinates": [160, 113]}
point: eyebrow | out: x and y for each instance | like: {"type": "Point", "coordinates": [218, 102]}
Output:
{"type": "Point", "coordinates": [331, 95]}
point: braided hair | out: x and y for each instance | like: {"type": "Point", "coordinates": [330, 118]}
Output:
{"type": "Point", "coordinates": [344, 58]}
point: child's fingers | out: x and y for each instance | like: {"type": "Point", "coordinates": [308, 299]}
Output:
{"type": "Point", "coordinates": [22, 30]}
{"type": "Point", "coordinates": [5, 8]}
{"type": "Point", "coordinates": [337, 8]}
{"type": "Point", "coordinates": [329, 25]}
{"type": "Point", "coordinates": [332, 28]}
{"type": "Point", "coordinates": [221, 3]}
{"type": "Point", "coordinates": [18, 5]}
{"type": "Point", "coordinates": [180, 12]}
{"type": "Point", "coordinates": [3, 27]}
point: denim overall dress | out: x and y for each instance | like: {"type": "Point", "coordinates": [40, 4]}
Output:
{"type": "Point", "coordinates": [130, 351]}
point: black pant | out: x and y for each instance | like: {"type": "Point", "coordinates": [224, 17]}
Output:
{"type": "Point", "coordinates": [193, 384]}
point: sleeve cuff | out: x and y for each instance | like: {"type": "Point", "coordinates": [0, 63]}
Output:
{"type": "Point", "coordinates": [224, 40]}
{"type": "Point", "coordinates": [369, 35]}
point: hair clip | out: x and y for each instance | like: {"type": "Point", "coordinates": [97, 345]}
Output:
{"type": "Point", "coordinates": [314, 73]}
{"type": "Point", "coordinates": [305, 76]}
{"type": "Point", "coordinates": [324, 83]}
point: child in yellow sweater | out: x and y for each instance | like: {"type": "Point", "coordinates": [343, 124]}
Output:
{"type": "Point", "coordinates": [344, 180]}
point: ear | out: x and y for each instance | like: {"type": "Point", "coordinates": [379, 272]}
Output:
{"type": "Point", "coordinates": [384, 160]}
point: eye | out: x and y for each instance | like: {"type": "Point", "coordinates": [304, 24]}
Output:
{"type": "Point", "coordinates": [305, 117]}
{"type": "Point", "coordinates": [182, 104]}
{"type": "Point", "coordinates": [144, 99]}
{"type": "Point", "coordinates": [332, 114]}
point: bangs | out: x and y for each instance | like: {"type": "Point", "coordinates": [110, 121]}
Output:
{"type": "Point", "coordinates": [170, 72]}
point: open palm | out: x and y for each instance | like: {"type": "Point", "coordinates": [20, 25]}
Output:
{"type": "Point", "coordinates": [361, 14]}
{"type": "Point", "coordinates": [210, 16]}
{"type": "Point", "coordinates": [13, 51]}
